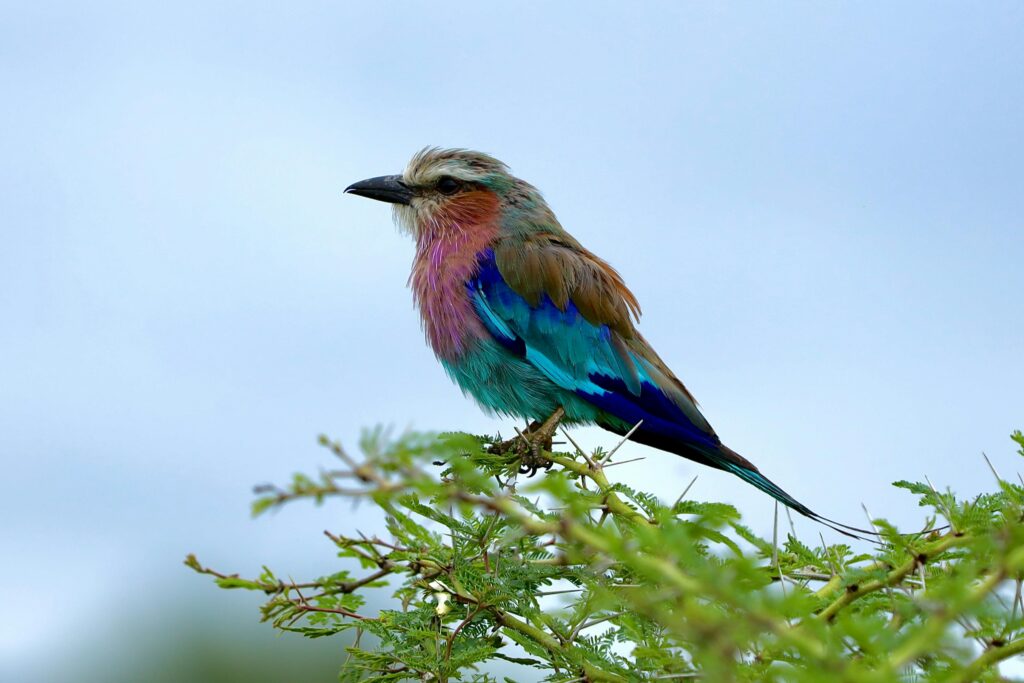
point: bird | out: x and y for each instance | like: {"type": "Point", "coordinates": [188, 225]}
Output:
{"type": "Point", "coordinates": [533, 325]}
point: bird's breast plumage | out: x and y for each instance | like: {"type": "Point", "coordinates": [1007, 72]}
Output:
{"type": "Point", "coordinates": [447, 254]}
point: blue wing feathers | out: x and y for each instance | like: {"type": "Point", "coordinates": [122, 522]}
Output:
{"type": "Point", "coordinates": [590, 361]}
{"type": "Point", "coordinates": [496, 326]}
{"type": "Point", "coordinates": [582, 357]}
{"type": "Point", "coordinates": [629, 409]}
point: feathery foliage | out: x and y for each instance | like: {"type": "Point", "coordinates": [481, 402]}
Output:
{"type": "Point", "coordinates": [570, 577]}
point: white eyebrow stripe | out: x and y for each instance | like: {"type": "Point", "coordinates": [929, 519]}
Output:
{"type": "Point", "coordinates": [427, 176]}
{"type": "Point", "coordinates": [430, 163]}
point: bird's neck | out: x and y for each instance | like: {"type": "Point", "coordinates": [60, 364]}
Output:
{"type": "Point", "coordinates": [447, 254]}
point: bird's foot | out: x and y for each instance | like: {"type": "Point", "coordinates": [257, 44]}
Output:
{"type": "Point", "coordinates": [527, 447]}
{"type": "Point", "coordinates": [530, 444]}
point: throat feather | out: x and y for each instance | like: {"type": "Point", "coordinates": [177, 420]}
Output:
{"type": "Point", "coordinates": [446, 258]}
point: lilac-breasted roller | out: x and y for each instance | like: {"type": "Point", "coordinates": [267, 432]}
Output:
{"type": "Point", "coordinates": [531, 324]}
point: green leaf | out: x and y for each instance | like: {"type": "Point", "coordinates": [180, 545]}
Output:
{"type": "Point", "coordinates": [559, 574]}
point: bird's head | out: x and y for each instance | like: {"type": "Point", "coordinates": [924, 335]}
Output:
{"type": "Point", "coordinates": [445, 190]}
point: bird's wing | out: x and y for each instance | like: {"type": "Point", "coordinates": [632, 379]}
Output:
{"type": "Point", "coordinates": [569, 314]}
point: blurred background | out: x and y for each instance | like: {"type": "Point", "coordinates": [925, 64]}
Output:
{"type": "Point", "coordinates": [819, 206]}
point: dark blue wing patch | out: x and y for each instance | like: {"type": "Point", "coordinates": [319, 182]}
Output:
{"type": "Point", "coordinates": [579, 356]}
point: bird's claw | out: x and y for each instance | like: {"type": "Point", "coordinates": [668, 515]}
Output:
{"type": "Point", "coordinates": [529, 445]}
{"type": "Point", "coordinates": [533, 460]}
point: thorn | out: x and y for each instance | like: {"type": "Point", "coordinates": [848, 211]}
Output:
{"type": "Point", "coordinates": [828, 558]}
{"type": "Point", "coordinates": [624, 440]}
{"type": "Point", "coordinates": [949, 513]}
{"type": "Point", "coordinates": [623, 462]}
{"type": "Point", "coordinates": [593, 622]}
{"type": "Point", "coordinates": [521, 435]}
{"type": "Point", "coordinates": [685, 491]}
{"type": "Point", "coordinates": [775, 536]}
{"type": "Point", "coordinates": [868, 515]}
{"type": "Point", "coordinates": [888, 589]}
{"type": "Point", "coordinates": [567, 590]}
{"type": "Point", "coordinates": [590, 461]}
{"type": "Point", "coordinates": [571, 440]}
{"type": "Point", "coordinates": [775, 554]}
{"type": "Point", "coordinates": [990, 466]}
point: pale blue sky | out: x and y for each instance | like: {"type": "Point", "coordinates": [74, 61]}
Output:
{"type": "Point", "coordinates": [819, 206]}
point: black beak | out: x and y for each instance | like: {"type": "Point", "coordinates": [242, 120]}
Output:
{"type": "Point", "coordinates": [385, 188]}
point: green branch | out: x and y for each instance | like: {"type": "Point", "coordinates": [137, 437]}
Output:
{"type": "Point", "coordinates": [649, 591]}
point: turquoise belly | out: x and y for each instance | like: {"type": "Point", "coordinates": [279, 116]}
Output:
{"type": "Point", "coordinates": [505, 384]}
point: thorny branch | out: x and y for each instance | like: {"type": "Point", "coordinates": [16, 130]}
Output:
{"type": "Point", "coordinates": [651, 564]}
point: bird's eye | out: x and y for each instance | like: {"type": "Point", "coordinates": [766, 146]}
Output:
{"type": "Point", "coordinates": [448, 185]}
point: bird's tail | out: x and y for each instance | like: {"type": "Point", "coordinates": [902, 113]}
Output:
{"type": "Point", "coordinates": [713, 453]}
{"type": "Point", "coordinates": [742, 468]}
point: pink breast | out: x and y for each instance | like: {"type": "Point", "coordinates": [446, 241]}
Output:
{"type": "Point", "coordinates": [445, 260]}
